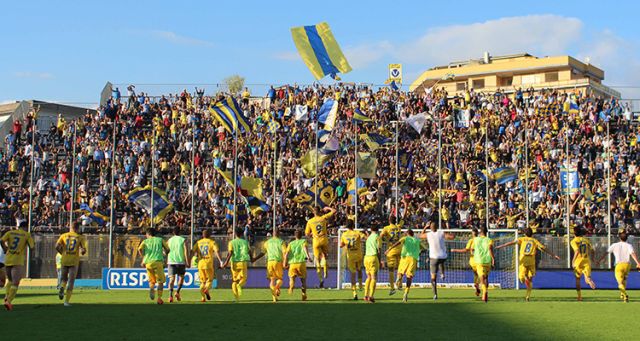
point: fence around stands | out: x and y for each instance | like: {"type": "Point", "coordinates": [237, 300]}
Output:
{"type": "Point", "coordinates": [125, 255]}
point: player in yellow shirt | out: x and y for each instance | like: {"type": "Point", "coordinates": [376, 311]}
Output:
{"type": "Point", "coordinates": [239, 253]}
{"type": "Point", "coordinates": [372, 263]}
{"type": "Point", "coordinates": [14, 244]}
{"type": "Point", "coordinates": [274, 248]}
{"type": "Point", "coordinates": [582, 253]}
{"type": "Point", "coordinates": [409, 259]}
{"type": "Point", "coordinates": [529, 246]}
{"type": "Point", "coordinates": [391, 234]}
{"type": "Point", "coordinates": [472, 264]}
{"type": "Point", "coordinates": [317, 227]}
{"type": "Point", "coordinates": [352, 241]}
{"type": "Point", "coordinates": [70, 245]}
{"type": "Point", "coordinates": [484, 259]}
{"type": "Point", "coordinates": [203, 251]}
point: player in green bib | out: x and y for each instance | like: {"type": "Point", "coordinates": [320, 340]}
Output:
{"type": "Point", "coordinates": [295, 257]}
{"type": "Point", "coordinates": [152, 250]}
{"type": "Point", "coordinates": [274, 248]}
{"type": "Point", "coordinates": [239, 255]}
{"type": "Point", "coordinates": [372, 263]}
{"type": "Point", "coordinates": [177, 262]}
{"type": "Point", "coordinates": [484, 259]}
{"type": "Point", "coordinates": [408, 260]}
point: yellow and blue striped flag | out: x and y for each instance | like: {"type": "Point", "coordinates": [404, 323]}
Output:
{"type": "Point", "coordinates": [328, 114]}
{"type": "Point", "coordinates": [320, 50]}
{"type": "Point", "coordinates": [229, 114]}
{"type": "Point", "coordinates": [503, 175]}
{"type": "Point", "coordinates": [359, 116]}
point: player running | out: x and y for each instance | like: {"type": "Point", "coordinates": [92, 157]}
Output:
{"type": "Point", "coordinates": [152, 250]}
{"type": "Point", "coordinates": [484, 259]}
{"type": "Point", "coordinates": [239, 255]}
{"type": "Point", "coordinates": [14, 244]}
{"type": "Point", "coordinates": [372, 264]}
{"type": "Point", "coordinates": [274, 248]}
{"type": "Point", "coordinates": [582, 253]}
{"type": "Point", "coordinates": [622, 251]}
{"type": "Point", "coordinates": [352, 241]}
{"type": "Point", "coordinates": [295, 258]}
{"type": "Point", "coordinates": [203, 251]}
{"type": "Point", "coordinates": [391, 234]}
{"type": "Point", "coordinates": [529, 246]}
{"type": "Point", "coordinates": [70, 246]}
{"type": "Point", "coordinates": [317, 227]}
{"type": "Point", "coordinates": [408, 260]}
{"type": "Point", "coordinates": [472, 264]}
{"type": "Point", "coordinates": [437, 254]}
{"type": "Point", "coordinates": [177, 262]}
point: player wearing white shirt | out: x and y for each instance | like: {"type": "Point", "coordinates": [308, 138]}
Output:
{"type": "Point", "coordinates": [437, 254]}
{"type": "Point", "coordinates": [622, 252]}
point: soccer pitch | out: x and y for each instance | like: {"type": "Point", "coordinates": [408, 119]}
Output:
{"type": "Point", "coordinates": [327, 315]}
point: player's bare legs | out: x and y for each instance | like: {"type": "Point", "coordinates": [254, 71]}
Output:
{"type": "Point", "coordinates": [485, 288]}
{"type": "Point", "coordinates": [434, 284]}
{"type": "Point", "coordinates": [14, 275]}
{"type": "Point", "coordinates": [292, 282]}
{"type": "Point", "coordinates": [528, 281]}
{"type": "Point", "coordinates": [370, 287]}
{"type": "Point", "coordinates": [72, 272]}
{"type": "Point", "coordinates": [3, 277]}
{"type": "Point", "coordinates": [353, 285]}
{"type": "Point", "coordinates": [360, 277]}
{"type": "Point", "coordinates": [406, 289]}
{"type": "Point", "coordinates": [590, 281]}
{"type": "Point", "coordinates": [321, 268]}
{"type": "Point", "coordinates": [172, 280]}
{"type": "Point", "coordinates": [64, 278]}
{"type": "Point", "coordinates": [476, 282]}
{"type": "Point", "coordinates": [180, 284]}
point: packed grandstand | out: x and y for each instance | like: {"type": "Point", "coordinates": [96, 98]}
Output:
{"type": "Point", "coordinates": [158, 139]}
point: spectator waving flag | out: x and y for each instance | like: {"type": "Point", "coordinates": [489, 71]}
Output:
{"type": "Point", "coordinates": [249, 187]}
{"type": "Point", "coordinates": [351, 190]}
{"type": "Point", "coordinates": [417, 121]}
{"type": "Point", "coordinates": [503, 175]}
{"type": "Point", "coordinates": [320, 50]}
{"type": "Point", "coordinates": [375, 141]}
{"type": "Point", "coordinates": [141, 197]}
{"type": "Point", "coordinates": [359, 116]}
{"type": "Point", "coordinates": [229, 114]}
{"type": "Point", "coordinates": [97, 217]}
{"type": "Point", "coordinates": [328, 114]}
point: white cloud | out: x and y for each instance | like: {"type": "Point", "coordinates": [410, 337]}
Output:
{"type": "Point", "coordinates": [286, 55]}
{"type": "Point", "coordinates": [175, 38]}
{"type": "Point", "coordinates": [537, 34]}
{"type": "Point", "coordinates": [33, 75]}
{"type": "Point", "coordinates": [361, 56]}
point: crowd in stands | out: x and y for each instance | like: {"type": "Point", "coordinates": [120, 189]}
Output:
{"type": "Point", "coordinates": [165, 137]}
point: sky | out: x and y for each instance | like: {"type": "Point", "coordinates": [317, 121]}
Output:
{"type": "Point", "coordinates": [65, 51]}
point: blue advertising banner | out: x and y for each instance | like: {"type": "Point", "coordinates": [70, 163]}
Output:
{"type": "Point", "coordinates": [569, 180]}
{"type": "Point", "coordinates": [136, 278]}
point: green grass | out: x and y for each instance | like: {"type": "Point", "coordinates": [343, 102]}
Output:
{"type": "Point", "coordinates": [328, 315]}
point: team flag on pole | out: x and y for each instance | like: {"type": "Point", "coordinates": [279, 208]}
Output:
{"type": "Point", "coordinates": [503, 175]}
{"type": "Point", "coordinates": [367, 165]}
{"type": "Point", "coordinates": [229, 114]}
{"type": "Point", "coordinates": [320, 51]}
{"type": "Point", "coordinates": [359, 116]}
{"type": "Point", "coordinates": [97, 217]}
{"type": "Point", "coordinates": [141, 197]}
{"type": "Point", "coordinates": [328, 114]}
{"type": "Point", "coordinates": [249, 187]}
{"type": "Point", "coordinates": [417, 121]}
{"type": "Point", "coordinates": [308, 162]}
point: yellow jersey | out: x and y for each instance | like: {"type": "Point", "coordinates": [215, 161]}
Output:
{"type": "Point", "coordinates": [71, 243]}
{"type": "Point", "coordinates": [529, 247]}
{"type": "Point", "coordinates": [391, 234]}
{"type": "Point", "coordinates": [352, 240]}
{"type": "Point", "coordinates": [205, 248]}
{"type": "Point", "coordinates": [469, 248]}
{"type": "Point", "coordinates": [317, 227]}
{"type": "Point", "coordinates": [582, 248]}
{"type": "Point", "coordinates": [16, 241]}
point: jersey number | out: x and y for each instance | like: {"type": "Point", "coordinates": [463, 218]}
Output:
{"type": "Point", "coordinates": [204, 250]}
{"type": "Point", "coordinates": [71, 245]}
{"type": "Point", "coordinates": [318, 229]}
{"type": "Point", "coordinates": [582, 248]}
{"type": "Point", "coordinates": [528, 247]}
{"type": "Point", "coordinates": [14, 245]}
{"type": "Point", "coordinates": [351, 243]}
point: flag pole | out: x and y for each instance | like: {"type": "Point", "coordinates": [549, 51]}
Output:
{"type": "Point", "coordinates": [315, 180]}
{"type": "Point", "coordinates": [73, 174]}
{"type": "Point", "coordinates": [486, 178]}
{"type": "Point", "coordinates": [235, 180]}
{"type": "Point", "coordinates": [193, 179]}
{"type": "Point", "coordinates": [526, 167]}
{"type": "Point", "coordinates": [356, 175]}
{"type": "Point", "coordinates": [568, 215]}
{"type": "Point", "coordinates": [153, 142]}
{"type": "Point", "coordinates": [439, 172]}
{"type": "Point", "coordinates": [275, 181]}
{"type": "Point", "coordinates": [112, 216]}
{"type": "Point", "coordinates": [33, 150]}
{"type": "Point", "coordinates": [608, 194]}
{"type": "Point", "coordinates": [397, 174]}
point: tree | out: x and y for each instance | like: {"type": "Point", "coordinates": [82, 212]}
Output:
{"type": "Point", "coordinates": [234, 83]}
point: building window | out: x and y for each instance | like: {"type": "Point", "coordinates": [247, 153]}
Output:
{"type": "Point", "coordinates": [551, 77]}
{"type": "Point", "coordinates": [506, 81]}
{"type": "Point", "coordinates": [478, 83]}
{"type": "Point", "coordinates": [461, 86]}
